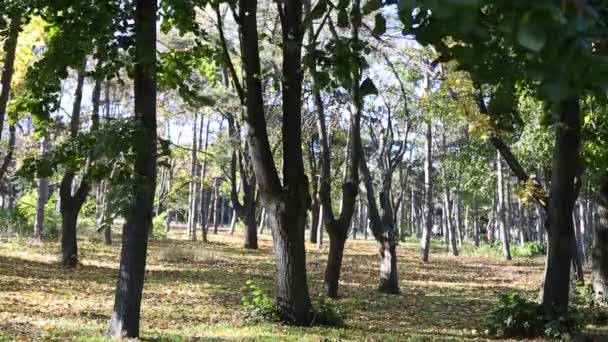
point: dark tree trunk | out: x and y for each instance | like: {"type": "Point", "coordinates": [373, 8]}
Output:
{"type": "Point", "coordinates": [287, 203]}
{"type": "Point", "coordinates": [560, 230]}
{"type": "Point", "coordinates": [314, 222]}
{"type": "Point", "coordinates": [337, 227]}
{"type": "Point", "coordinates": [10, 46]}
{"type": "Point", "coordinates": [251, 230]}
{"type": "Point", "coordinates": [193, 185]}
{"type": "Point", "coordinates": [203, 173]}
{"type": "Point", "coordinates": [126, 313]}
{"type": "Point", "coordinates": [70, 205]}
{"type": "Point", "coordinates": [69, 247]}
{"type": "Point", "coordinates": [334, 263]}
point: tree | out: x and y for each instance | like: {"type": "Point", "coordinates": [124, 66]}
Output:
{"type": "Point", "coordinates": [285, 202]}
{"type": "Point", "coordinates": [10, 46]}
{"type": "Point", "coordinates": [126, 312]}
{"type": "Point", "coordinates": [538, 64]}
{"type": "Point", "coordinates": [70, 204]}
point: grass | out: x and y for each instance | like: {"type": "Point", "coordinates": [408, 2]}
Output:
{"type": "Point", "coordinates": [193, 292]}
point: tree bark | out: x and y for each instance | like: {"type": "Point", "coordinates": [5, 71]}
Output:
{"type": "Point", "coordinates": [500, 212]}
{"type": "Point", "coordinates": [70, 205]}
{"type": "Point", "coordinates": [43, 196]}
{"type": "Point", "coordinates": [193, 184]}
{"type": "Point", "coordinates": [10, 47]}
{"type": "Point", "coordinates": [476, 232]}
{"type": "Point", "coordinates": [425, 241]}
{"type": "Point", "coordinates": [287, 203]}
{"type": "Point", "coordinates": [126, 313]}
{"type": "Point", "coordinates": [599, 254]}
{"type": "Point", "coordinates": [203, 173]}
{"type": "Point", "coordinates": [560, 231]}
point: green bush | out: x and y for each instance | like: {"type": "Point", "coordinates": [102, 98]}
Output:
{"type": "Point", "coordinates": [26, 210]}
{"type": "Point", "coordinates": [528, 250]}
{"type": "Point", "coordinates": [518, 317]}
{"type": "Point", "coordinates": [159, 226]}
{"type": "Point", "coordinates": [258, 304]}
{"type": "Point", "coordinates": [12, 223]}
{"type": "Point", "coordinates": [261, 307]}
{"type": "Point", "coordinates": [327, 313]}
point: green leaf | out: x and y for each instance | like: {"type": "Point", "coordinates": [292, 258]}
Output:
{"type": "Point", "coordinates": [380, 25]}
{"type": "Point", "coordinates": [531, 33]}
{"type": "Point", "coordinates": [368, 87]}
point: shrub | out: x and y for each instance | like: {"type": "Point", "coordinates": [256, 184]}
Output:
{"type": "Point", "coordinates": [327, 313]}
{"type": "Point", "coordinates": [159, 226]}
{"type": "Point", "coordinates": [12, 223]}
{"type": "Point", "coordinates": [518, 317]}
{"type": "Point", "coordinates": [26, 210]}
{"type": "Point", "coordinates": [258, 304]}
{"type": "Point", "coordinates": [179, 254]}
{"type": "Point", "coordinates": [528, 250]}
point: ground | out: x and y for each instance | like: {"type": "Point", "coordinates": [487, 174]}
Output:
{"type": "Point", "coordinates": [193, 291]}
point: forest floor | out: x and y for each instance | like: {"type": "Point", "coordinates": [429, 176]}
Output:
{"type": "Point", "coordinates": [193, 292]}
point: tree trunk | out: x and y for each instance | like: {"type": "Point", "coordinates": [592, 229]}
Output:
{"type": "Point", "coordinates": [566, 165]}
{"type": "Point", "coordinates": [425, 241]}
{"type": "Point", "coordinates": [216, 212]}
{"type": "Point", "coordinates": [251, 230]}
{"type": "Point", "coordinates": [10, 46]}
{"type": "Point", "coordinates": [500, 212]}
{"type": "Point", "coordinates": [70, 204]}
{"type": "Point", "coordinates": [286, 202]}
{"type": "Point", "coordinates": [599, 254]}
{"type": "Point", "coordinates": [334, 264]}
{"type": "Point", "coordinates": [581, 229]}
{"type": "Point", "coordinates": [320, 228]}
{"type": "Point", "coordinates": [476, 222]}
{"type": "Point", "coordinates": [193, 184]}
{"type": "Point", "coordinates": [314, 222]}
{"type": "Point", "coordinates": [69, 246]}
{"type": "Point", "coordinates": [233, 222]}
{"type": "Point", "coordinates": [203, 173]}
{"type": "Point", "coordinates": [450, 229]}
{"type": "Point", "coordinates": [126, 313]}
{"type": "Point", "coordinates": [43, 196]}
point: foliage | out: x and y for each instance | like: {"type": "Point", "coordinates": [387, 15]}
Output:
{"type": "Point", "coordinates": [528, 250]}
{"type": "Point", "coordinates": [328, 313]}
{"type": "Point", "coordinates": [258, 304]}
{"type": "Point", "coordinates": [159, 226]}
{"type": "Point", "coordinates": [26, 210]}
{"type": "Point", "coordinates": [13, 223]}
{"type": "Point", "coordinates": [518, 317]}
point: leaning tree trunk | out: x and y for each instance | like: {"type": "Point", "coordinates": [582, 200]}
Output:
{"type": "Point", "coordinates": [127, 304]}
{"type": "Point", "coordinates": [560, 230]}
{"type": "Point", "coordinates": [599, 254]}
